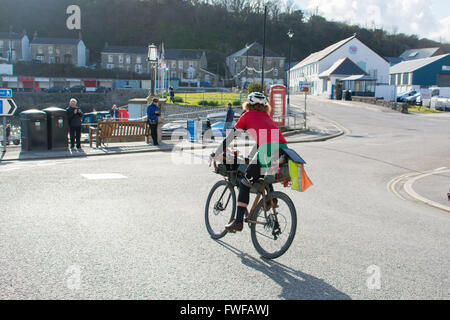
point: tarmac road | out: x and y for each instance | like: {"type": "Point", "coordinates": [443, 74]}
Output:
{"type": "Point", "coordinates": [132, 226]}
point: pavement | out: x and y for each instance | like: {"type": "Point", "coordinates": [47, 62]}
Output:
{"type": "Point", "coordinates": [131, 226]}
{"type": "Point", "coordinates": [319, 129]}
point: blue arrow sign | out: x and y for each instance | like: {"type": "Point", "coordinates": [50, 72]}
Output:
{"type": "Point", "coordinates": [5, 93]}
{"type": "Point", "coordinates": [7, 107]}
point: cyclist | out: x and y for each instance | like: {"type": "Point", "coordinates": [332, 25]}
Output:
{"type": "Point", "coordinates": [257, 122]}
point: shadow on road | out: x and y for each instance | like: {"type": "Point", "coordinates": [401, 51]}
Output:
{"type": "Point", "coordinates": [296, 285]}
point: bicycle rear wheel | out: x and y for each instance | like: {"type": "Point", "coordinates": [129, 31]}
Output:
{"type": "Point", "coordinates": [275, 229]}
{"type": "Point", "coordinates": [220, 208]}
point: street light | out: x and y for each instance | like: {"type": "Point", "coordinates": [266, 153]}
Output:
{"type": "Point", "coordinates": [235, 70]}
{"type": "Point", "coordinates": [152, 58]}
{"type": "Point", "coordinates": [290, 34]}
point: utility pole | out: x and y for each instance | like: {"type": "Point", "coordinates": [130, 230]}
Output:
{"type": "Point", "coordinates": [290, 34]}
{"type": "Point", "coordinates": [264, 49]}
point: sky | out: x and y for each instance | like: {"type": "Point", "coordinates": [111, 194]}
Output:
{"type": "Point", "coordinates": [425, 18]}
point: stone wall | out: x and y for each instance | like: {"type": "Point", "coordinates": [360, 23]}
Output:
{"type": "Point", "coordinates": [400, 106]}
{"type": "Point", "coordinates": [87, 101]}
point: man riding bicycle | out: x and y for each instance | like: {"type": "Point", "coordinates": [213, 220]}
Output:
{"type": "Point", "coordinates": [269, 140]}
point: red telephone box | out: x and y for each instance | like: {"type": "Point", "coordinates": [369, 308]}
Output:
{"type": "Point", "coordinates": [277, 97]}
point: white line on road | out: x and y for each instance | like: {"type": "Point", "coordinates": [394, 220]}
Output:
{"type": "Point", "coordinates": [409, 189]}
{"type": "Point", "coordinates": [103, 176]}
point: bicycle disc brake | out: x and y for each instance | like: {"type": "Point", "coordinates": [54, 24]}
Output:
{"type": "Point", "coordinates": [218, 208]}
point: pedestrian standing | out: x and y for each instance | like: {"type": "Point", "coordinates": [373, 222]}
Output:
{"type": "Point", "coordinates": [114, 112]}
{"type": "Point", "coordinates": [172, 94]}
{"type": "Point", "coordinates": [74, 116]}
{"type": "Point", "coordinates": [229, 118]}
{"type": "Point", "coordinates": [153, 113]}
{"type": "Point", "coordinates": [8, 133]}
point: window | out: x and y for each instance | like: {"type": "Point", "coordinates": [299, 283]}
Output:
{"type": "Point", "coordinates": [392, 80]}
{"type": "Point", "coordinates": [405, 78]}
{"type": "Point", "coordinates": [57, 51]}
{"type": "Point", "coordinates": [121, 59]}
{"type": "Point", "coordinates": [173, 64]}
{"type": "Point", "coordinates": [281, 63]}
{"type": "Point", "coordinates": [275, 72]}
{"type": "Point", "coordinates": [173, 74]}
{"type": "Point", "coordinates": [397, 79]}
{"type": "Point", "coordinates": [40, 50]}
{"type": "Point", "coordinates": [1, 44]}
{"type": "Point", "coordinates": [110, 66]}
{"type": "Point", "coordinates": [128, 59]}
{"type": "Point", "coordinates": [138, 68]}
{"type": "Point", "coordinates": [180, 64]}
{"type": "Point", "coordinates": [191, 64]}
{"type": "Point", "coordinates": [139, 59]}
{"type": "Point", "coordinates": [50, 50]}
{"type": "Point", "coordinates": [51, 59]}
{"type": "Point", "coordinates": [110, 58]}
{"type": "Point", "coordinates": [40, 58]}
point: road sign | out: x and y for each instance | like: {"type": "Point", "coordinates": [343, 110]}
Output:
{"type": "Point", "coordinates": [5, 93]}
{"type": "Point", "coordinates": [7, 107]}
{"type": "Point", "coordinates": [304, 89]}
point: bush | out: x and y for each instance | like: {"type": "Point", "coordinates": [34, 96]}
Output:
{"type": "Point", "coordinates": [177, 100]}
{"type": "Point", "coordinates": [236, 103]}
{"type": "Point", "coordinates": [254, 87]}
{"type": "Point", "coordinates": [208, 103]}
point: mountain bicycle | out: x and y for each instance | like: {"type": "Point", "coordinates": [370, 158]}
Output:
{"type": "Point", "coordinates": [272, 218]}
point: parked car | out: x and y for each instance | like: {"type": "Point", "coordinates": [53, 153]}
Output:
{"type": "Point", "coordinates": [402, 97]}
{"type": "Point", "coordinates": [102, 89]}
{"type": "Point", "coordinates": [90, 119]}
{"type": "Point", "coordinates": [56, 89]}
{"type": "Point", "coordinates": [78, 88]}
{"type": "Point", "coordinates": [412, 99]}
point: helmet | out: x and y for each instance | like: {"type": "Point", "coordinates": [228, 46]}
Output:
{"type": "Point", "coordinates": [257, 98]}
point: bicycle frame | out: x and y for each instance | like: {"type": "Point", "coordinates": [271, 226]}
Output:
{"type": "Point", "coordinates": [262, 191]}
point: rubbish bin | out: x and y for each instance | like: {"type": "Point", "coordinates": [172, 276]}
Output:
{"type": "Point", "coordinates": [349, 95]}
{"type": "Point", "coordinates": [33, 125]}
{"type": "Point", "coordinates": [194, 130]}
{"type": "Point", "coordinates": [57, 128]}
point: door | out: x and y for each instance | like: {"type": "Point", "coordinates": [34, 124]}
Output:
{"type": "Point", "coordinates": [443, 80]}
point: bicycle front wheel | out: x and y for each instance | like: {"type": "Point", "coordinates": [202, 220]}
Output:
{"type": "Point", "coordinates": [220, 208]}
{"type": "Point", "coordinates": [274, 230]}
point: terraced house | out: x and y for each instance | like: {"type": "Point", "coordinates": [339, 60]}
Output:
{"type": "Point", "coordinates": [59, 50]}
{"type": "Point", "coordinates": [14, 47]}
{"type": "Point", "coordinates": [187, 66]}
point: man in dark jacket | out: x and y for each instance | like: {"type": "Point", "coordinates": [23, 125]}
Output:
{"type": "Point", "coordinates": [74, 116]}
{"type": "Point", "coordinates": [115, 113]}
{"type": "Point", "coordinates": [229, 118]}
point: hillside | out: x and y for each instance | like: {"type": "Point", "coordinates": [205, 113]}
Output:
{"type": "Point", "coordinates": [218, 26]}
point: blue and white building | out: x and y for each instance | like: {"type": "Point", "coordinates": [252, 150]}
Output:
{"type": "Point", "coordinates": [363, 68]}
{"type": "Point", "coordinates": [421, 73]}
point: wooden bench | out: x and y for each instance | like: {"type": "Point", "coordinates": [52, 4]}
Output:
{"type": "Point", "coordinates": [107, 130]}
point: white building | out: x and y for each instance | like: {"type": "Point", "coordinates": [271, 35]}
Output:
{"type": "Point", "coordinates": [372, 67]}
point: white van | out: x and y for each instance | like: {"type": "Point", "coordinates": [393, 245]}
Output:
{"type": "Point", "coordinates": [440, 92]}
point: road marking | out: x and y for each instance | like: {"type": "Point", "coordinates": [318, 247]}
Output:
{"type": "Point", "coordinates": [103, 176]}
{"type": "Point", "coordinates": [438, 169]}
{"type": "Point", "coordinates": [391, 186]}
{"type": "Point", "coordinates": [409, 189]}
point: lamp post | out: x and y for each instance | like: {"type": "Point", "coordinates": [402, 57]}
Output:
{"type": "Point", "coordinates": [290, 34]}
{"type": "Point", "coordinates": [264, 49]}
{"type": "Point", "coordinates": [152, 58]}
{"type": "Point", "coordinates": [235, 70]}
